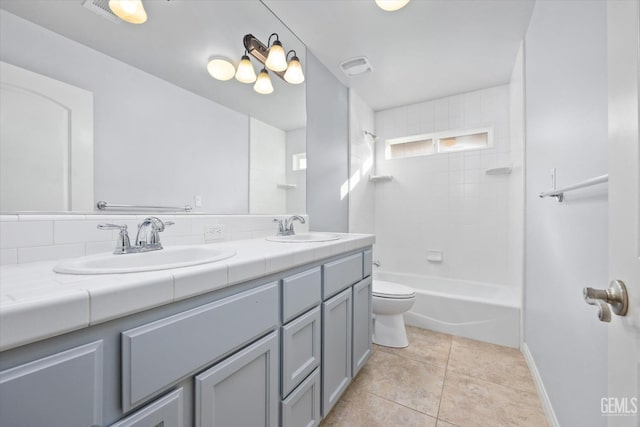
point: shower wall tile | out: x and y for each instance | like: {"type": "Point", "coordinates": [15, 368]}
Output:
{"type": "Point", "coordinates": [446, 202]}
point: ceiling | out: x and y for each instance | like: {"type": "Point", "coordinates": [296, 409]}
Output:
{"type": "Point", "coordinates": [176, 43]}
{"type": "Point", "coordinates": [427, 50]}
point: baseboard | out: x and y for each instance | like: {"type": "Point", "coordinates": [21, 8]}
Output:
{"type": "Point", "coordinates": [542, 392]}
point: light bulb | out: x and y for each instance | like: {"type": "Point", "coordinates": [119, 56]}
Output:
{"type": "Point", "coordinates": [245, 73]}
{"type": "Point", "coordinates": [391, 5]}
{"type": "Point", "coordinates": [131, 11]}
{"type": "Point", "coordinates": [276, 60]}
{"type": "Point", "coordinates": [294, 74]}
{"type": "Point", "coordinates": [263, 84]}
{"type": "Point", "coordinates": [221, 68]}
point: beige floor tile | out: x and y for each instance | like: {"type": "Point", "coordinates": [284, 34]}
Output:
{"type": "Point", "coordinates": [442, 423]}
{"type": "Point", "coordinates": [501, 365]}
{"type": "Point", "coordinates": [368, 410]}
{"type": "Point", "coordinates": [407, 382]}
{"type": "Point", "coordinates": [472, 402]}
{"type": "Point", "coordinates": [424, 346]}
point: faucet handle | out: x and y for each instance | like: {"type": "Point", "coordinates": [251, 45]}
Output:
{"type": "Point", "coordinates": [123, 245]}
{"type": "Point", "coordinates": [122, 227]}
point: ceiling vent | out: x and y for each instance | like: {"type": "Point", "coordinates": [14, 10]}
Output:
{"type": "Point", "coordinates": [101, 7]}
{"type": "Point", "coordinates": [356, 66]}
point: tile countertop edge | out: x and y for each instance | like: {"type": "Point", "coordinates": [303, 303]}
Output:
{"type": "Point", "coordinates": [78, 297]}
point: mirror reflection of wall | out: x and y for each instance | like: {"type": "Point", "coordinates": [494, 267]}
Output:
{"type": "Point", "coordinates": [165, 132]}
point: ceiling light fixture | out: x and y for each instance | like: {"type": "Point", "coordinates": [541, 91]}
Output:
{"type": "Point", "coordinates": [221, 68]}
{"type": "Point", "coordinates": [245, 73]}
{"type": "Point", "coordinates": [131, 11]}
{"type": "Point", "coordinates": [294, 74]}
{"type": "Point", "coordinates": [391, 5]}
{"type": "Point", "coordinates": [263, 83]}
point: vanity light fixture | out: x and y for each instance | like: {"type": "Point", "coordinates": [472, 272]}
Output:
{"type": "Point", "coordinates": [245, 73]}
{"type": "Point", "coordinates": [221, 68]}
{"type": "Point", "coordinates": [273, 58]}
{"type": "Point", "coordinates": [263, 83]}
{"type": "Point", "coordinates": [131, 11]}
{"type": "Point", "coordinates": [294, 74]}
{"type": "Point", "coordinates": [391, 5]}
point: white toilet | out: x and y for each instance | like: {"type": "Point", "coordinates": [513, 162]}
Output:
{"type": "Point", "coordinates": [390, 301]}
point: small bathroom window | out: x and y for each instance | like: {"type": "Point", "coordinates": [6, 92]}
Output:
{"type": "Point", "coordinates": [441, 142]}
{"type": "Point", "coordinates": [299, 161]}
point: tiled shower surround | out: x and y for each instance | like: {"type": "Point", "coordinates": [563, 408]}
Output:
{"type": "Point", "coordinates": [31, 238]}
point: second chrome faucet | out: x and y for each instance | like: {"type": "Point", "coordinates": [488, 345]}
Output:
{"type": "Point", "coordinates": [285, 226]}
{"type": "Point", "coordinates": [147, 238]}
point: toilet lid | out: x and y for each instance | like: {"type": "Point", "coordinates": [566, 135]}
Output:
{"type": "Point", "coordinates": [392, 290]}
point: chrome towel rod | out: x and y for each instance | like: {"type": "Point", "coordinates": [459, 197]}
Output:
{"type": "Point", "coordinates": [102, 205]}
{"type": "Point", "coordinates": [559, 193]}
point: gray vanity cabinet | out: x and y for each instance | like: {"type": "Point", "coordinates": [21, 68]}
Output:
{"type": "Point", "coordinates": [64, 389]}
{"type": "Point", "coordinates": [336, 348]}
{"type": "Point", "coordinates": [242, 390]}
{"type": "Point", "coordinates": [362, 324]}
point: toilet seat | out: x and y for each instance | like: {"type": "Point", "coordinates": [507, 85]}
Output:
{"type": "Point", "coordinates": [390, 290]}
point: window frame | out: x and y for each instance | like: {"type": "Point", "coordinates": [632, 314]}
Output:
{"type": "Point", "coordinates": [436, 137]}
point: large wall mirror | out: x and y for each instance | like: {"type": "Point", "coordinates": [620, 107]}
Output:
{"type": "Point", "coordinates": [158, 129]}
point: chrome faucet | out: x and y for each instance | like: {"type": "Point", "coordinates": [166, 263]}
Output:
{"type": "Point", "coordinates": [285, 226]}
{"type": "Point", "coordinates": [147, 238]}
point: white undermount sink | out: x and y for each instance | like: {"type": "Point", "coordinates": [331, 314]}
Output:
{"type": "Point", "coordinates": [305, 238]}
{"type": "Point", "coordinates": [172, 257]}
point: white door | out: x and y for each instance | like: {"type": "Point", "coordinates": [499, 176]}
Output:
{"type": "Point", "coordinates": [621, 405]}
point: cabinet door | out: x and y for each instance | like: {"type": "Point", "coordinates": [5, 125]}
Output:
{"type": "Point", "coordinates": [241, 390]}
{"type": "Point", "coordinates": [362, 326]}
{"type": "Point", "coordinates": [336, 348]}
{"type": "Point", "coordinates": [300, 349]}
{"type": "Point", "coordinates": [63, 390]}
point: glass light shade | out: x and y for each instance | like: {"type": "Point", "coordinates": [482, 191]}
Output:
{"type": "Point", "coordinates": [245, 73]}
{"type": "Point", "coordinates": [294, 74]}
{"type": "Point", "coordinates": [276, 60]}
{"type": "Point", "coordinates": [391, 5]}
{"type": "Point", "coordinates": [263, 84]}
{"type": "Point", "coordinates": [221, 69]}
{"type": "Point", "coordinates": [131, 11]}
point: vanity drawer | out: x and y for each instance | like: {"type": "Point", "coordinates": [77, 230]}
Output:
{"type": "Point", "coordinates": [300, 292]}
{"type": "Point", "coordinates": [157, 355]}
{"type": "Point", "coordinates": [368, 263]}
{"type": "Point", "coordinates": [341, 274]}
{"type": "Point", "coordinates": [165, 412]}
{"type": "Point", "coordinates": [302, 407]}
{"type": "Point", "coordinates": [300, 349]}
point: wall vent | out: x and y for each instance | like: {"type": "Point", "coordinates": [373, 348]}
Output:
{"type": "Point", "coordinates": [101, 7]}
{"type": "Point", "coordinates": [356, 66]}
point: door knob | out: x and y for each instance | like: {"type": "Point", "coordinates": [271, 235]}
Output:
{"type": "Point", "coordinates": [615, 298]}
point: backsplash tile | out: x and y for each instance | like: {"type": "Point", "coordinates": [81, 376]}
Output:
{"type": "Point", "coordinates": [31, 238]}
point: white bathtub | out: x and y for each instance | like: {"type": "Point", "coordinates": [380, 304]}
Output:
{"type": "Point", "coordinates": [474, 310]}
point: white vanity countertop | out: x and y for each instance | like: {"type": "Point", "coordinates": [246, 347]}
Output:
{"type": "Point", "coordinates": [36, 303]}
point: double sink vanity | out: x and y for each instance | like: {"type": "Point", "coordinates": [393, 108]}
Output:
{"type": "Point", "coordinates": [261, 332]}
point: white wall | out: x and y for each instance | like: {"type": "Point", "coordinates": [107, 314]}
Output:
{"type": "Point", "coordinates": [296, 197]}
{"type": "Point", "coordinates": [445, 201]}
{"type": "Point", "coordinates": [566, 243]}
{"type": "Point", "coordinates": [362, 158]}
{"type": "Point", "coordinates": [327, 149]}
{"type": "Point", "coordinates": [267, 168]}
{"type": "Point", "coordinates": [516, 192]}
{"type": "Point", "coordinates": [154, 143]}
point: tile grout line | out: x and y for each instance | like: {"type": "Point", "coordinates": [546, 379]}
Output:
{"type": "Point", "coordinates": [444, 379]}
